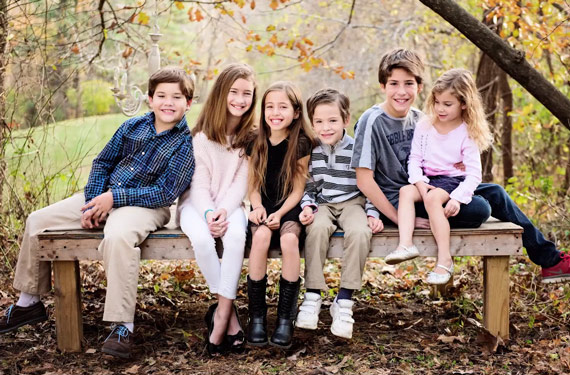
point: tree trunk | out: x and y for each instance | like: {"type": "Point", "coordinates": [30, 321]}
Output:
{"type": "Point", "coordinates": [3, 124]}
{"type": "Point", "coordinates": [509, 59]}
{"type": "Point", "coordinates": [507, 128]}
{"type": "Point", "coordinates": [488, 86]}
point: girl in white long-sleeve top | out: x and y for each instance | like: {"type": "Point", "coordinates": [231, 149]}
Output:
{"type": "Point", "coordinates": [212, 207]}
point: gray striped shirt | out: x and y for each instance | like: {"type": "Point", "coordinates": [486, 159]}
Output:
{"type": "Point", "coordinates": [331, 178]}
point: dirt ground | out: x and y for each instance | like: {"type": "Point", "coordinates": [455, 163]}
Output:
{"type": "Point", "coordinates": [399, 329]}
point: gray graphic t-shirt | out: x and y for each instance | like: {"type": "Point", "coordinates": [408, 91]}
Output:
{"type": "Point", "coordinates": [383, 144]}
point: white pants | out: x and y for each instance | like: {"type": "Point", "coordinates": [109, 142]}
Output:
{"type": "Point", "coordinates": [222, 278]}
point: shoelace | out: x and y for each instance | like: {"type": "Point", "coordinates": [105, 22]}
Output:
{"type": "Point", "coordinates": [8, 313]}
{"type": "Point", "coordinates": [120, 330]}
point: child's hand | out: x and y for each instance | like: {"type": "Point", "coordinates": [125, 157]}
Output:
{"type": "Point", "coordinates": [99, 207]}
{"type": "Point", "coordinates": [86, 220]}
{"type": "Point", "coordinates": [258, 215]}
{"type": "Point", "coordinates": [422, 223]}
{"type": "Point", "coordinates": [423, 188]}
{"type": "Point", "coordinates": [307, 216]}
{"type": "Point", "coordinates": [452, 208]}
{"type": "Point", "coordinates": [217, 223]}
{"type": "Point", "coordinates": [460, 166]}
{"type": "Point", "coordinates": [273, 221]}
{"type": "Point", "coordinates": [375, 224]}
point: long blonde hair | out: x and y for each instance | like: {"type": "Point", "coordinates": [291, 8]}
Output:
{"type": "Point", "coordinates": [298, 130]}
{"type": "Point", "coordinates": [462, 85]}
{"type": "Point", "coordinates": [213, 118]}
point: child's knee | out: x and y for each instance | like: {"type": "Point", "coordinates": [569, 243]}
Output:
{"type": "Point", "coordinates": [408, 191]}
{"type": "Point", "coordinates": [289, 242]}
{"type": "Point", "coordinates": [262, 236]}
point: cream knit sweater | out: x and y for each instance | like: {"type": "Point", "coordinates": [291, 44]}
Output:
{"type": "Point", "coordinates": [220, 177]}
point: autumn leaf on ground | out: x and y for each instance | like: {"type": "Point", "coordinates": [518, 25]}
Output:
{"type": "Point", "coordinates": [488, 341]}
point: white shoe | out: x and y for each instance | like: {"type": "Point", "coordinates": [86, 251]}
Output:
{"type": "Point", "coordinates": [308, 316]}
{"type": "Point", "coordinates": [401, 254]}
{"type": "Point", "coordinates": [440, 278]}
{"type": "Point", "coordinates": [341, 312]}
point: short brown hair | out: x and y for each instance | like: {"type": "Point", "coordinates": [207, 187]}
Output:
{"type": "Point", "coordinates": [403, 59]}
{"type": "Point", "coordinates": [327, 96]}
{"type": "Point", "coordinates": [172, 74]}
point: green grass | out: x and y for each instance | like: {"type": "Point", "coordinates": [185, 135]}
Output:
{"type": "Point", "coordinates": [55, 160]}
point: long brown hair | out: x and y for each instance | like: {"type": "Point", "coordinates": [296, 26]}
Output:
{"type": "Point", "coordinates": [298, 131]}
{"type": "Point", "coordinates": [213, 117]}
{"type": "Point", "coordinates": [462, 85]}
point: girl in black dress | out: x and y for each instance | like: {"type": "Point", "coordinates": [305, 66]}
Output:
{"type": "Point", "coordinates": [278, 165]}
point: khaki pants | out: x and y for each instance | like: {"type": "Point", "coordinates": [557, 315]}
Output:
{"type": "Point", "coordinates": [351, 218]}
{"type": "Point", "coordinates": [125, 229]}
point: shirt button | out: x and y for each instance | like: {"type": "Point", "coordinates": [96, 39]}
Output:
{"type": "Point", "coordinates": [143, 152]}
{"type": "Point", "coordinates": [119, 184]}
{"type": "Point", "coordinates": [132, 169]}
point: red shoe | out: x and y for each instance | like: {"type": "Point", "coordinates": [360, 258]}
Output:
{"type": "Point", "coordinates": [559, 272]}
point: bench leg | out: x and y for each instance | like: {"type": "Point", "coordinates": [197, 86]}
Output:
{"type": "Point", "coordinates": [68, 319]}
{"type": "Point", "coordinates": [496, 295]}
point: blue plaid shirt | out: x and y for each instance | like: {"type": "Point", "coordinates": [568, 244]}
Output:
{"type": "Point", "coordinates": [142, 168]}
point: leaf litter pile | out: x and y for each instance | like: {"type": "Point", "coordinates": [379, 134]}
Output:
{"type": "Point", "coordinates": [401, 328]}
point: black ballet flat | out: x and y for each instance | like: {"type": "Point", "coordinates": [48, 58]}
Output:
{"type": "Point", "coordinates": [214, 350]}
{"type": "Point", "coordinates": [236, 343]}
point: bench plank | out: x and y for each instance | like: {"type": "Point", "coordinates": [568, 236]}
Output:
{"type": "Point", "coordinates": [493, 238]}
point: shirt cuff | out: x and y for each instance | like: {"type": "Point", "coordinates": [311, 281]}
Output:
{"type": "Point", "coordinates": [413, 179]}
{"type": "Point", "coordinates": [120, 197]}
{"type": "Point", "coordinates": [310, 204]}
{"type": "Point", "coordinates": [373, 213]}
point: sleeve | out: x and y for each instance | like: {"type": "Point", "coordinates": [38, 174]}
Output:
{"type": "Point", "coordinates": [199, 195]}
{"type": "Point", "coordinates": [304, 147]}
{"type": "Point", "coordinates": [415, 171]}
{"type": "Point", "coordinates": [237, 190]}
{"type": "Point", "coordinates": [105, 163]}
{"type": "Point", "coordinates": [364, 153]}
{"type": "Point", "coordinates": [371, 210]}
{"type": "Point", "coordinates": [472, 161]}
{"type": "Point", "coordinates": [173, 181]}
{"type": "Point", "coordinates": [311, 191]}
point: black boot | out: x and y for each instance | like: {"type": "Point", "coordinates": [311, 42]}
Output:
{"type": "Point", "coordinates": [257, 324]}
{"type": "Point", "coordinates": [286, 313]}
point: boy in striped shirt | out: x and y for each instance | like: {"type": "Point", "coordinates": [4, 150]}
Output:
{"type": "Point", "coordinates": [333, 200]}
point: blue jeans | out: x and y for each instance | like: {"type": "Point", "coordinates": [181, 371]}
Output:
{"type": "Point", "coordinates": [492, 199]}
{"type": "Point", "coordinates": [540, 250]}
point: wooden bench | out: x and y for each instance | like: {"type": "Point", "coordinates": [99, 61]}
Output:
{"type": "Point", "coordinates": [495, 241]}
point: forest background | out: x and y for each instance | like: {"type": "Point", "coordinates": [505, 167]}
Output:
{"type": "Point", "coordinates": [59, 60]}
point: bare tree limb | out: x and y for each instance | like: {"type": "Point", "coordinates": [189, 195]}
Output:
{"type": "Point", "coordinates": [513, 62]}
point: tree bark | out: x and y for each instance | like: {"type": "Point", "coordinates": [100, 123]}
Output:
{"type": "Point", "coordinates": [512, 61]}
{"type": "Point", "coordinates": [4, 131]}
{"type": "Point", "coordinates": [488, 86]}
{"type": "Point", "coordinates": [507, 128]}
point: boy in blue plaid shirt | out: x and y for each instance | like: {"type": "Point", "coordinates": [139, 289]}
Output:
{"type": "Point", "coordinates": [141, 171]}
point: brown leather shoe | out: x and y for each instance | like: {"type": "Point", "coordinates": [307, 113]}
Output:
{"type": "Point", "coordinates": [17, 316]}
{"type": "Point", "coordinates": [119, 342]}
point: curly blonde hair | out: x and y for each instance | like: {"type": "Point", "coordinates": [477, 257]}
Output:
{"type": "Point", "coordinates": [462, 85]}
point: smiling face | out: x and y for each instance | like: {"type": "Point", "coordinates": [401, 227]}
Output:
{"type": "Point", "coordinates": [240, 98]}
{"type": "Point", "coordinates": [401, 90]}
{"type": "Point", "coordinates": [328, 123]}
{"type": "Point", "coordinates": [278, 111]}
{"type": "Point", "coordinates": [168, 104]}
{"type": "Point", "coordinates": [448, 108]}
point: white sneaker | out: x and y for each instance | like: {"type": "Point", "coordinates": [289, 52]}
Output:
{"type": "Point", "coordinates": [402, 253]}
{"type": "Point", "coordinates": [308, 316]}
{"type": "Point", "coordinates": [341, 312]}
